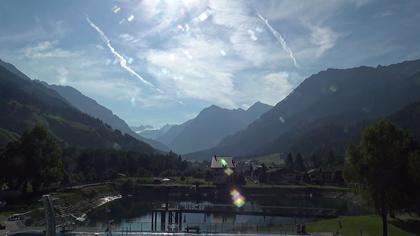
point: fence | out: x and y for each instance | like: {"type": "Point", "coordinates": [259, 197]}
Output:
{"type": "Point", "coordinates": [134, 226]}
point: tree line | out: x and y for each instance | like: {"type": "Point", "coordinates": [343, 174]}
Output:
{"type": "Point", "coordinates": [38, 161]}
{"type": "Point", "coordinates": [300, 163]}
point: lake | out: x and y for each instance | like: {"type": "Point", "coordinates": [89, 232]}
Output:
{"type": "Point", "coordinates": [220, 214]}
{"type": "Point", "coordinates": [213, 211]}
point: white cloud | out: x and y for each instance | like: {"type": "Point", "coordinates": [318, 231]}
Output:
{"type": "Point", "coordinates": [116, 89]}
{"type": "Point", "coordinates": [198, 62]}
{"type": "Point", "coordinates": [62, 74]}
{"type": "Point", "coordinates": [163, 16]}
{"type": "Point", "coordinates": [313, 16]}
{"type": "Point", "coordinates": [203, 52]}
{"type": "Point", "coordinates": [252, 35]}
{"type": "Point", "coordinates": [322, 37]}
{"type": "Point", "coordinates": [315, 10]}
{"type": "Point", "coordinates": [195, 70]}
{"type": "Point", "coordinates": [206, 60]}
{"type": "Point", "coordinates": [47, 49]}
{"type": "Point", "coordinates": [237, 21]}
{"type": "Point", "coordinates": [133, 101]}
{"type": "Point", "coordinates": [275, 87]}
{"type": "Point", "coordinates": [128, 38]}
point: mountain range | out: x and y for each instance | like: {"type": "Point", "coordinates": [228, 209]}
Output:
{"type": "Point", "coordinates": [153, 133]}
{"type": "Point", "coordinates": [324, 113]}
{"type": "Point", "coordinates": [25, 103]}
{"type": "Point", "coordinates": [324, 109]}
{"type": "Point", "coordinates": [208, 128]}
{"type": "Point", "coordinates": [141, 128]}
{"type": "Point", "coordinates": [91, 107]}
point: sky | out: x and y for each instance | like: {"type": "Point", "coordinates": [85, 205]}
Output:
{"type": "Point", "coordinates": [154, 62]}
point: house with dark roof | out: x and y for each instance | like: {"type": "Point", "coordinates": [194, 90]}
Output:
{"type": "Point", "coordinates": [326, 175]}
{"type": "Point", "coordinates": [284, 176]}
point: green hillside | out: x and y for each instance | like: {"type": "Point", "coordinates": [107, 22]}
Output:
{"type": "Point", "coordinates": [24, 103]}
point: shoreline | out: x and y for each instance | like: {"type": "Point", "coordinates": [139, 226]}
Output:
{"type": "Point", "coordinates": [79, 202]}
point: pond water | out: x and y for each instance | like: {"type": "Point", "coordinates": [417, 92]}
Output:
{"type": "Point", "coordinates": [133, 214]}
{"type": "Point", "coordinates": [129, 214]}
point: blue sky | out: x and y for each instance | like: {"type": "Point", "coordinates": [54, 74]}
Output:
{"type": "Point", "coordinates": [157, 62]}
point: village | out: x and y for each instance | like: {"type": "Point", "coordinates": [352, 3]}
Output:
{"type": "Point", "coordinates": [254, 172]}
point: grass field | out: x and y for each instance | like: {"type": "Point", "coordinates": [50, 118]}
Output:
{"type": "Point", "coordinates": [369, 225]}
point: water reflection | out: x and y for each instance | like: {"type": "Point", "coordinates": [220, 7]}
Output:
{"type": "Point", "coordinates": [135, 214]}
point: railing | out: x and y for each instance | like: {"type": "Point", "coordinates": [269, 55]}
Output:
{"type": "Point", "coordinates": [134, 226]}
{"type": "Point", "coordinates": [254, 210]}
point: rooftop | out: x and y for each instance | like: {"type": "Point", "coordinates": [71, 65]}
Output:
{"type": "Point", "coordinates": [222, 162]}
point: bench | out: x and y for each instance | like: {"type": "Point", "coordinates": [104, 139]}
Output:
{"type": "Point", "coordinates": [193, 229]}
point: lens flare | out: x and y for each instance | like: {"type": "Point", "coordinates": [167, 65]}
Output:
{"type": "Point", "coordinates": [228, 171]}
{"type": "Point", "coordinates": [237, 198]}
{"type": "Point", "coordinates": [130, 18]}
{"type": "Point", "coordinates": [116, 9]}
{"type": "Point", "coordinates": [224, 162]}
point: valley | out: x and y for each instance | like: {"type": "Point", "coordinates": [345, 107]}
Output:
{"type": "Point", "coordinates": [209, 117]}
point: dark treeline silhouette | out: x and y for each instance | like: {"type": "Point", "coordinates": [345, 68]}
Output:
{"type": "Point", "coordinates": [317, 160]}
{"type": "Point", "coordinates": [104, 164]}
{"type": "Point", "coordinates": [36, 161]}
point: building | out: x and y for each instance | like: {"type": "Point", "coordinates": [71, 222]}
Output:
{"type": "Point", "coordinates": [221, 163]}
{"type": "Point", "coordinates": [326, 175]}
{"type": "Point", "coordinates": [221, 167]}
{"type": "Point", "coordinates": [284, 176]}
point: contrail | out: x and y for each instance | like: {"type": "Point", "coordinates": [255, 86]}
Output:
{"type": "Point", "coordinates": [119, 57]}
{"type": "Point", "coordinates": [280, 38]}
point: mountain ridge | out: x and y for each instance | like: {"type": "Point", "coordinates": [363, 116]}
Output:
{"type": "Point", "coordinates": [25, 103]}
{"type": "Point", "coordinates": [155, 133]}
{"type": "Point", "coordinates": [210, 126]}
{"type": "Point", "coordinates": [350, 95]}
{"type": "Point", "coordinates": [93, 108]}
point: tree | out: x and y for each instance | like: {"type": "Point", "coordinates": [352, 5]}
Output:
{"type": "Point", "coordinates": [299, 163]}
{"type": "Point", "coordinates": [35, 158]}
{"type": "Point", "coordinates": [289, 161]}
{"type": "Point", "coordinates": [414, 175]}
{"type": "Point", "coordinates": [315, 161]}
{"type": "Point", "coordinates": [331, 159]}
{"type": "Point", "coordinates": [378, 166]}
{"type": "Point", "coordinates": [263, 175]}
